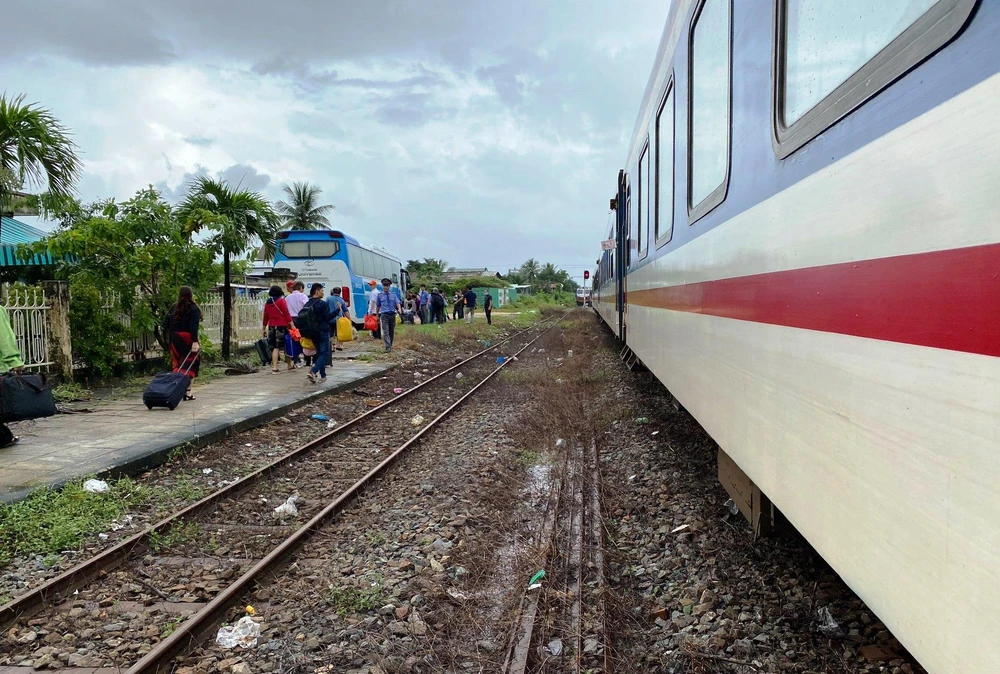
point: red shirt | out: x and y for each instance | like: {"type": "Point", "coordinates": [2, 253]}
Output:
{"type": "Point", "coordinates": [276, 313]}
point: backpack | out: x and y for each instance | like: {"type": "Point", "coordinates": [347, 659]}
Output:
{"type": "Point", "coordinates": [306, 320]}
{"type": "Point", "coordinates": [437, 301]}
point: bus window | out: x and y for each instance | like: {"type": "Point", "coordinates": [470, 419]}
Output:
{"type": "Point", "coordinates": [368, 264]}
{"type": "Point", "coordinates": [323, 248]}
{"type": "Point", "coordinates": [295, 249]}
{"type": "Point", "coordinates": [354, 258]}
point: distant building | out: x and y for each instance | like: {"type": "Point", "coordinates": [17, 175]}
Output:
{"type": "Point", "coordinates": [456, 274]}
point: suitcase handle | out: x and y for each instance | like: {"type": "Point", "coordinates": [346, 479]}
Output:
{"type": "Point", "coordinates": [194, 360]}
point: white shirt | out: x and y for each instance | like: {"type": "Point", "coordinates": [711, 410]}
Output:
{"type": "Point", "coordinates": [371, 299]}
{"type": "Point", "coordinates": [295, 302]}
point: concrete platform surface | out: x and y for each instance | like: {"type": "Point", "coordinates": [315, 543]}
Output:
{"type": "Point", "coordinates": [123, 437]}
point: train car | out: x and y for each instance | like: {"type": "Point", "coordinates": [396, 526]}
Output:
{"type": "Point", "coordinates": [337, 260]}
{"type": "Point", "coordinates": [806, 252]}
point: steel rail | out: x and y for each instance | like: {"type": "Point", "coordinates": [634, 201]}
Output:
{"type": "Point", "coordinates": [60, 587]}
{"type": "Point", "coordinates": [193, 630]}
{"type": "Point", "coordinates": [597, 536]}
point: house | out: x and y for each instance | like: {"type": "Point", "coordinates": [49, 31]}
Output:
{"type": "Point", "coordinates": [455, 274]}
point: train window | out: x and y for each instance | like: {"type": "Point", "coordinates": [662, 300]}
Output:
{"type": "Point", "coordinates": [831, 57]}
{"type": "Point", "coordinates": [642, 217]}
{"type": "Point", "coordinates": [665, 169]}
{"type": "Point", "coordinates": [710, 75]}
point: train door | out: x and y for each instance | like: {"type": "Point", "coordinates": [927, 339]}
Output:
{"type": "Point", "coordinates": [621, 251]}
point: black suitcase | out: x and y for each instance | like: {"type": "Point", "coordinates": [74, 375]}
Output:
{"type": "Point", "coordinates": [168, 388]}
{"type": "Point", "coordinates": [25, 396]}
{"type": "Point", "coordinates": [263, 351]}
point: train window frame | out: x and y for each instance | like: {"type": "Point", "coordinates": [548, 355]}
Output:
{"type": "Point", "coordinates": [718, 195]}
{"type": "Point", "coordinates": [642, 243]}
{"type": "Point", "coordinates": [663, 239]}
{"type": "Point", "coordinates": [938, 26]}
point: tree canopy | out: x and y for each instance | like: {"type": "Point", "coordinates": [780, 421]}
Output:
{"type": "Point", "coordinates": [303, 210]}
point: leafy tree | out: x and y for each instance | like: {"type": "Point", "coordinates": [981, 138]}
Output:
{"type": "Point", "coordinates": [302, 210]}
{"type": "Point", "coordinates": [530, 270]}
{"type": "Point", "coordinates": [35, 149]}
{"type": "Point", "coordinates": [137, 250]}
{"type": "Point", "coordinates": [430, 269]}
{"type": "Point", "coordinates": [239, 221]}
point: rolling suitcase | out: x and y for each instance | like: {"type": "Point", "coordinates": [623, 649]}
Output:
{"type": "Point", "coordinates": [168, 388]}
{"type": "Point", "coordinates": [263, 352]}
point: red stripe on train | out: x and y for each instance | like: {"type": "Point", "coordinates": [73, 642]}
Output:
{"type": "Point", "coordinates": [946, 299]}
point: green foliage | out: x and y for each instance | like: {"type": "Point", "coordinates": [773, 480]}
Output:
{"type": "Point", "coordinates": [429, 271]}
{"type": "Point", "coordinates": [35, 149]}
{"type": "Point", "coordinates": [472, 282]}
{"type": "Point", "coordinates": [175, 535]}
{"type": "Point", "coordinates": [347, 599]}
{"type": "Point", "coordinates": [137, 249]}
{"type": "Point", "coordinates": [96, 332]}
{"type": "Point", "coordinates": [302, 210]}
{"type": "Point", "coordinates": [49, 521]}
{"type": "Point", "coordinates": [69, 391]}
{"type": "Point", "coordinates": [237, 219]}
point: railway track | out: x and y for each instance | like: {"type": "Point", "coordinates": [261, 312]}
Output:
{"type": "Point", "coordinates": [562, 623]}
{"type": "Point", "coordinates": [146, 578]}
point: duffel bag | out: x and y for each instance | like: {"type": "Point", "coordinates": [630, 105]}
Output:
{"type": "Point", "coordinates": [25, 396]}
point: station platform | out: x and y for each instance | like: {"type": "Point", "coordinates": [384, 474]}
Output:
{"type": "Point", "coordinates": [123, 437]}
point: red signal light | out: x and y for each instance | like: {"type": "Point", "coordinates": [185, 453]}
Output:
{"type": "Point", "coordinates": [586, 275]}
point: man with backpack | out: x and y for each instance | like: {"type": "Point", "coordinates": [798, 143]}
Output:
{"type": "Point", "coordinates": [438, 304]}
{"type": "Point", "coordinates": [314, 322]}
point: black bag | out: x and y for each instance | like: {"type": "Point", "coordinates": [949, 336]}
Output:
{"type": "Point", "coordinates": [306, 321]}
{"type": "Point", "coordinates": [263, 351]}
{"type": "Point", "coordinates": [168, 388]}
{"type": "Point", "coordinates": [25, 396]}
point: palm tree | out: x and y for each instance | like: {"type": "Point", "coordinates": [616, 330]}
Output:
{"type": "Point", "coordinates": [35, 149]}
{"type": "Point", "coordinates": [303, 210]}
{"type": "Point", "coordinates": [530, 270]}
{"type": "Point", "coordinates": [240, 219]}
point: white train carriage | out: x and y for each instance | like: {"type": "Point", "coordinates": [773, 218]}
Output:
{"type": "Point", "coordinates": [807, 254]}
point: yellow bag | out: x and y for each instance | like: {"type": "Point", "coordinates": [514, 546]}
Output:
{"type": "Point", "coordinates": [399, 319]}
{"type": "Point", "coordinates": [307, 343]}
{"type": "Point", "coordinates": [345, 333]}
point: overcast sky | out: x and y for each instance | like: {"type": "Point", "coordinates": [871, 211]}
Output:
{"type": "Point", "coordinates": [477, 131]}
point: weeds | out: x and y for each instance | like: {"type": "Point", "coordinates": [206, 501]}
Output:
{"type": "Point", "coordinates": [70, 391]}
{"type": "Point", "coordinates": [528, 457]}
{"type": "Point", "coordinates": [49, 521]}
{"type": "Point", "coordinates": [179, 533]}
{"type": "Point", "coordinates": [185, 490]}
{"type": "Point", "coordinates": [347, 599]}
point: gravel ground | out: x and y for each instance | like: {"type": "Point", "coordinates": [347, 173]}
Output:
{"type": "Point", "coordinates": [187, 477]}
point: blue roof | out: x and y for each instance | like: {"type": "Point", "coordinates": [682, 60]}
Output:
{"type": "Point", "coordinates": [14, 232]}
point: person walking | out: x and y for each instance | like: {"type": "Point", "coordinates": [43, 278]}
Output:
{"type": "Point", "coordinates": [425, 298]}
{"type": "Point", "coordinates": [488, 307]}
{"type": "Point", "coordinates": [388, 308]}
{"type": "Point", "coordinates": [295, 301]}
{"type": "Point", "coordinates": [338, 310]}
{"type": "Point", "coordinates": [438, 303]}
{"type": "Point", "coordinates": [10, 361]}
{"type": "Point", "coordinates": [470, 304]}
{"type": "Point", "coordinates": [276, 322]}
{"type": "Point", "coordinates": [373, 308]}
{"type": "Point", "coordinates": [182, 332]}
{"type": "Point", "coordinates": [458, 308]}
{"type": "Point", "coordinates": [321, 312]}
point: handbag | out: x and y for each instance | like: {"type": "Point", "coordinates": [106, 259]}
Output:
{"type": "Point", "coordinates": [25, 396]}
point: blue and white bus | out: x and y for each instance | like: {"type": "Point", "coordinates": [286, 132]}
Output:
{"type": "Point", "coordinates": [337, 260]}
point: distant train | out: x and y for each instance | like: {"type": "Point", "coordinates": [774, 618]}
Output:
{"type": "Point", "coordinates": [805, 250]}
{"type": "Point", "coordinates": [337, 260]}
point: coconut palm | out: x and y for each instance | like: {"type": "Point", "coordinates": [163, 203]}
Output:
{"type": "Point", "coordinates": [239, 219]}
{"type": "Point", "coordinates": [302, 210]}
{"type": "Point", "coordinates": [35, 151]}
{"type": "Point", "coordinates": [530, 270]}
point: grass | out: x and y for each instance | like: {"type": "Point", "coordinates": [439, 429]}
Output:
{"type": "Point", "coordinates": [179, 533]}
{"type": "Point", "coordinates": [49, 522]}
{"type": "Point", "coordinates": [528, 457]}
{"type": "Point", "coordinates": [70, 391]}
{"type": "Point", "coordinates": [185, 490]}
{"type": "Point", "coordinates": [347, 599]}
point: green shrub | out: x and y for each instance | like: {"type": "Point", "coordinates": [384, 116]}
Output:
{"type": "Point", "coordinates": [98, 337]}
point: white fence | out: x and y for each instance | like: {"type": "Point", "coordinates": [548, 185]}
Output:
{"type": "Point", "coordinates": [29, 311]}
{"type": "Point", "coordinates": [247, 317]}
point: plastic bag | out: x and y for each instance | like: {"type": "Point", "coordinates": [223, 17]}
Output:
{"type": "Point", "coordinates": [288, 507]}
{"type": "Point", "coordinates": [96, 486]}
{"type": "Point", "coordinates": [244, 634]}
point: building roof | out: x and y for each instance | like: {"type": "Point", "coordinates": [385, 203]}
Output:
{"type": "Point", "coordinates": [14, 232]}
